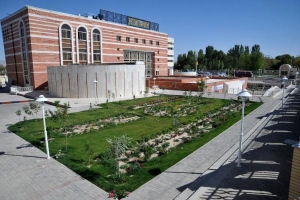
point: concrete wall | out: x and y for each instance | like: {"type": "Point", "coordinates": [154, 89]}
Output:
{"type": "Point", "coordinates": [231, 86]}
{"type": "Point", "coordinates": [77, 81]}
{"type": "Point", "coordinates": [184, 73]}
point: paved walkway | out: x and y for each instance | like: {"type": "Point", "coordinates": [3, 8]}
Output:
{"type": "Point", "coordinates": [25, 173]}
{"type": "Point", "coordinates": [208, 173]}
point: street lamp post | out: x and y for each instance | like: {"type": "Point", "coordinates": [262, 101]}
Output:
{"type": "Point", "coordinates": [283, 83]}
{"type": "Point", "coordinates": [154, 82]}
{"type": "Point", "coordinates": [95, 85]}
{"type": "Point", "coordinates": [244, 95]}
{"type": "Point", "coordinates": [42, 100]}
{"type": "Point", "coordinates": [206, 78]}
{"type": "Point", "coordinates": [296, 76]}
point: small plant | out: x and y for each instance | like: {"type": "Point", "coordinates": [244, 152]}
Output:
{"type": "Point", "coordinates": [27, 110]}
{"type": "Point", "coordinates": [18, 112]}
{"type": "Point", "coordinates": [35, 107]}
{"type": "Point", "coordinates": [89, 151]}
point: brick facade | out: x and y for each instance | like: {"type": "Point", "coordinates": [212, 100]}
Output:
{"type": "Point", "coordinates": [43, 43]}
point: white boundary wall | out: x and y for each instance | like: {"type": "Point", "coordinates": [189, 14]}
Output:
{"type": "Point", "coordinates": [77, 81]}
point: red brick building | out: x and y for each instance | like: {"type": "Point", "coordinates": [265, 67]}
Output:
{"type": "Point", "coordinates": [35, 38]}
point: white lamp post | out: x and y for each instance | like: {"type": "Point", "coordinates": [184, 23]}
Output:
{"type": "Point", "coordinates": [206, 78]}
{"type": "Point", "coordinates": [244, 95]}
{"type": "Point", "coordinates": [283, 83]}
{"type": "Point", "coordinates": [42, 100]}
{"type": "Point", "coordinates": [95, 85]}
{"type": "Point", "coordinates": [297, 73]}
{"type": "Point", "coordinates": [154, 82]}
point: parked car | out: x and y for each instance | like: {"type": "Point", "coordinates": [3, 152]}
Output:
{"type": "Point", "coordinates": [222, 74]}
{"type": "Point", "coordinates": [243, 74]}
{"type": "Point", "coordinates": [204, 74]}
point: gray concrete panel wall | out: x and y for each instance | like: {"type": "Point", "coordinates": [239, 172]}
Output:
{"type": "Point", "coordinates": [77, 81]}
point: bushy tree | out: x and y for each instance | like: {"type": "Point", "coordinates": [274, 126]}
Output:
{"type": "Point", "coordinates": [117, 147]}
{"type": "Point", "coordinates": [2, 70]}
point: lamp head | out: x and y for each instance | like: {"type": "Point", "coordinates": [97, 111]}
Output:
{"type": "Point", "coordinates": [284, 78]}
{"type": "Point", "coordinates": [94, 81]}
{"type": "Point", "coordinates": [244, 94]}
{"type": "Point", "coordinates": [41, 99]}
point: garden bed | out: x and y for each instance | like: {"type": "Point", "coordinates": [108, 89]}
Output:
{"type": "Point", "coordinates": [158, 128]}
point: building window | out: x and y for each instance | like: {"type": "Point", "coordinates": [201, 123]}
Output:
{"type": "Point", "coordinates": [136, 40]}
{"type": "Point", "coordinates": [146, 57]}
{"type": "Point", "coordinates": [157, 73]}
{"type": "Point", "coordinates": [157, 43]}
{"type": "Point", "coordinates": [82, 45]}
{"type": "Point", "coordinates": [143, 41]}
{"type": "Point", "coordinates": [127, 39]}
{"type": "Point", "coordinates": [170, 48]}
{"type": "Point", "coordinates": [151, 42]}
{"type": "Point", "coordinates": [66, 44]}
{"type": "Point", "coordinates": [96, 46]}
{"type": "Point", "coordinates": [24, 50]}
{"type": "Point", "coordinates": [118, 38]}
{"type": "Point", "coordinates": [5, 34]}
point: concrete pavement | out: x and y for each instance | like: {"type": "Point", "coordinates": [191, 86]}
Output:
{"type": "Point", "coordinates": [208, 173]}
{"type": "Point", "coordinates": [25, 173]}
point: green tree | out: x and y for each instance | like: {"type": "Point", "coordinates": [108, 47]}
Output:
{"type": "Point", "coordinates": [200, 59]}
{"type": "Point", "coordinates": [284, 59]}
{"type": "Point", "coordinates": [296, 62]}
{"type": "Point", "coordinates": [256, 58]}
{"type": "Point", "coordinates": [2, 70]}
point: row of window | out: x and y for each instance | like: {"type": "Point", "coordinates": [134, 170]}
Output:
{"type": "Point", "coordinates": [82, 45]}
{"type": "Point", "coordinates": [136, 40]}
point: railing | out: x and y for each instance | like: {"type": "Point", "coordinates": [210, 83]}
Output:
{"type": "Point", "coordinates": [233, 90]}
{"type": "Point", "coordinates": [17, 89]}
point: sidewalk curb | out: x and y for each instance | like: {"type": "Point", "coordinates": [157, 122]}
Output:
{"type": "Point", "coordinates": [20, 101]}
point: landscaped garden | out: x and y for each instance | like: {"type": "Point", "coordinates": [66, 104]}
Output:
{"type": "Point", "coordinates": [121, 145]}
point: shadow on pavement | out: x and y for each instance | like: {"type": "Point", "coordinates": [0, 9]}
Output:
{"type": "Point", "coordinates": [266, 165]}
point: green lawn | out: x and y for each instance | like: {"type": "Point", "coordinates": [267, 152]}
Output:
{"type": "Point", "coordinates": [76, 158]}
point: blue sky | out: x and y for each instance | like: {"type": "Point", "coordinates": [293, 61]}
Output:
{"type": "Point", "coordinates": [195, 24]}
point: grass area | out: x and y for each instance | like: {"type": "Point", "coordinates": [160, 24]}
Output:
{"type": "Point", "coordinates": [71, 151]}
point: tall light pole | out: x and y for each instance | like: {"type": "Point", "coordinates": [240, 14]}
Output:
{"type": "Point", "coordinates": [206, 78]}
{"type": "Point", "coordinates": [42, 100]}
{"type": "Point", "coordinates": [244, 95]}
{"type": "Point", "coordinates": [196, 68]}
{"type": "Point", "coordinates": [283, 83]}
{"type": "Point", "coordinates": [95, 85]}
{"type": "Point", "coordinates": [154, 82]}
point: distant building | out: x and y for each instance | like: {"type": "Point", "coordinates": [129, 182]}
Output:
{"type": "Point", "coordinates": [170, 55]}
{"type": "Point", "coordinates": [287, 70]}
{"type": "Point", "coordinates": [35, 38]}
